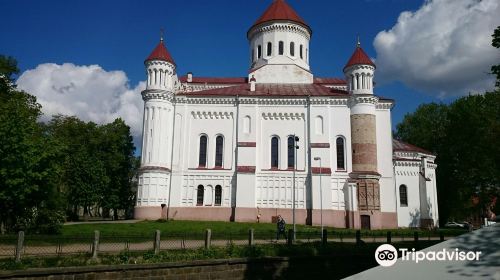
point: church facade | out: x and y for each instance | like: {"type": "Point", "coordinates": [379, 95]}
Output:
{"type": "Point", "coordinates": [251, 148]}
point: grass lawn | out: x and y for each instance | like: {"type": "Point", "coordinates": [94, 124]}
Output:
{"type": "Point", "coordinates": [181, 228]}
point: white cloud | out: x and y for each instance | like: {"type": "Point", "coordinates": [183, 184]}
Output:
{"type": "Point", "coordinates": [443, 48]}
{"type": "Point", "coordinates": [88, 92]}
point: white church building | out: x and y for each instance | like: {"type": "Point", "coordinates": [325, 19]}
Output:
{"type": "Point", "coordinates": [245, 148]}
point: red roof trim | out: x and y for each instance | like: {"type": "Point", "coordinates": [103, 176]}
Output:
{"type": "Point", "coordinates": [400, 146]}
{"type": "Point", "coordinates": [330, 81]}
{"type": "Point", "coordinates": [271, 90]}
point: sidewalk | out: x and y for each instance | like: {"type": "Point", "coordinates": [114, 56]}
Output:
{"type": "Point", "coordinates": [485, 240]}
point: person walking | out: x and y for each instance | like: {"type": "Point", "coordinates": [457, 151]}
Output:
{"type": "Point", "coordinates": [281, 228]}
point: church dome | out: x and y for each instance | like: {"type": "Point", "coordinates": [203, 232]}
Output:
{"type": "Point", "coordinates": [359, 57]}
{"type": "Point", "coordinates": [280, 10]}
{"type": "Point", "coordinates": [160, 53]}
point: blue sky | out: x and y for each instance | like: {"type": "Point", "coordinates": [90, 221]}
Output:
{"type": "Point", "coordinates": [209, 39]}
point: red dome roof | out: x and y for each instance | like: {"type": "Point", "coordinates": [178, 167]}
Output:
{"type": "Point", "coordinates": [280, 10]}
{"type": "Point", "coordinates": [359, 57]}
{"type": "Point", "coordinates": [160, 53]}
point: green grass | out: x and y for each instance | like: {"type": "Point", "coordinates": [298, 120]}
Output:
{"type": "Point", "coordinates": [179, 228]}
{"type": "Point", "coordinates": [144, 231]}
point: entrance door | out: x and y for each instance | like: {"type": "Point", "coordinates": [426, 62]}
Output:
{"type": "Point", "coordinates": [365, 222]}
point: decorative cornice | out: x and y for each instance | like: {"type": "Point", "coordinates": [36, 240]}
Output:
{"type": "Point", "coordinates": [160, 169]}
{"type": "Point", "coordinates": [384, 105]}
{"type": "Point", "coordinates": [283, 116]}
{"type": "Point", "coordinates": [149, 94]}
{"type": "Point", "coordinates": [280, 27]}
{"type": "Point", "coordinates": [363, 99]}
{"type": "Point", "coordinates": [211, 115]}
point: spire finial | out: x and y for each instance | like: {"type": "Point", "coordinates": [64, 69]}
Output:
{"type": "Point", "coordinates": [358, 43]}
{"type": "Point", "coordinates": [161, 34]}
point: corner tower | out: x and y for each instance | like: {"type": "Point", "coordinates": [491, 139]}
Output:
{"type": "Point", "coordinates": [359, 72]}
{"type": "Point", "coordinates": [155, 173]}
{"type": "Point", "coordinates": [279, 46]}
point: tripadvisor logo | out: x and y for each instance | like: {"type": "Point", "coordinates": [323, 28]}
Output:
{"type": "Point", "coordinates": [387, 255]}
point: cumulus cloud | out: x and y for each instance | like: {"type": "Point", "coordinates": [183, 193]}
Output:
{"type": "Point", "coordinates": [88, 92]}
{"type": "Point", "coordinates": [443, 48]}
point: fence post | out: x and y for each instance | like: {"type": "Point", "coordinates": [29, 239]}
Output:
{"type": "Point", "coordinates": [20, 245]}
{"type": "Point", "coordinates": [389, 237]}
{"type": "Point", "coordinates": [415, 236]}
{"type": "Point", "coordinates": [156, 245]}
{"type": "Point", "coordinates": [95, 246]}
{"type": "Point", "coordinates": [208, 238]}
{"type": "Point", "coordinates": [290, 237]}
{"type": "Point", "coordinates": [441, 236]}
{"type": "Point", "coordinates": [358, 237]}
{"type": "Point", "coordinates": [250, 237]}
{"type": "Point", "coordinates": [324, 241]}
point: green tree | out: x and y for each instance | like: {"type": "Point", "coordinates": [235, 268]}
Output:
{"type": "Point", "coordinates": [83, 173]}
{"type": "Point", "coordinates": [495, 69]}
{"type": "Point", "coordinates": [464, 135]}
{"type": "Point", "coordinates": [28, 198]}
{"type": "Point", "coordinates": [117, 153]}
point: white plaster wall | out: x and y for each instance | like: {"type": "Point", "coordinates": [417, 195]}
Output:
{"type": "Point", "coordinates": [384, 160]}
{"type": "Point", "coordinates": [408, 216]}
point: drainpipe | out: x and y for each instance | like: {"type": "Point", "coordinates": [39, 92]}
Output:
{"type": "Point", "coordinates": [309, 173]}
{"type": "Point", "coordinates": [171, 157]}
{"type": "Point", "coordinates": [235, 176]}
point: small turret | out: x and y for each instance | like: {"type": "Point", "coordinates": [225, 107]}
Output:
{"type": "Point", "coordinates": [160, 68]}
{"type": "Point", "coordinates": [359, 72]}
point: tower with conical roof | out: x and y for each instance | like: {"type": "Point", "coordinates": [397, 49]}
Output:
{"type": "Point", "coordinates": [279, 46]}
{"type": "Point", "coordinates": [359, 72]}
{"type": "Point", "coordinates": [155, 173]}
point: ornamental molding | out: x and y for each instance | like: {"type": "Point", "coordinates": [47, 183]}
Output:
{"type": "Point", "coordinates": [279, 27]}
{"type": "Point", "coordinates": [359, 67]}
{"type": "Point", "coordinates": [204, 115]}
{"type": "Point", "coordinates": [363, 99]}
{"type": "Point", "coordinates": [283, 116]}
{"type": "Point", "coordinates": [152, 63]}
{"type": "Point", "coordinates": [385, 106]}
{"type": "Point", "coordinates": [150, 94]}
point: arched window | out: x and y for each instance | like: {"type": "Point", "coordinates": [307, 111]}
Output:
{"type": "Point", "coordinates": [218, 195]}
{"type": "Point", "coordinates": [403, 195]}
{"type": "Point", "coordinates": [301, 51]}
{"type": "Point", "coordinates": [246, 124]}
{"type": "Point", "coordinates": [291, 152]}
{"type": "Point", "coordinates": [281, 48]}
{"type": "Point", "coordinates": [199, 195]}
{"type": "Point", "coordinates": [292, 48]}
{"type": "Point", "coordinates": [203, 151]}
{"type": "Point", "coordinates": [269, 48]}
{"type": "Point", "coordinates": [319, 125]}
{"type": "Point", "coordinates": [259, 51]}
{"type": "Point", "coordinates": [340, 153]}
{"type": "Point", "coordinates": [274, 152]}
{"type": "Point", "coordinates": [219, 147]}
